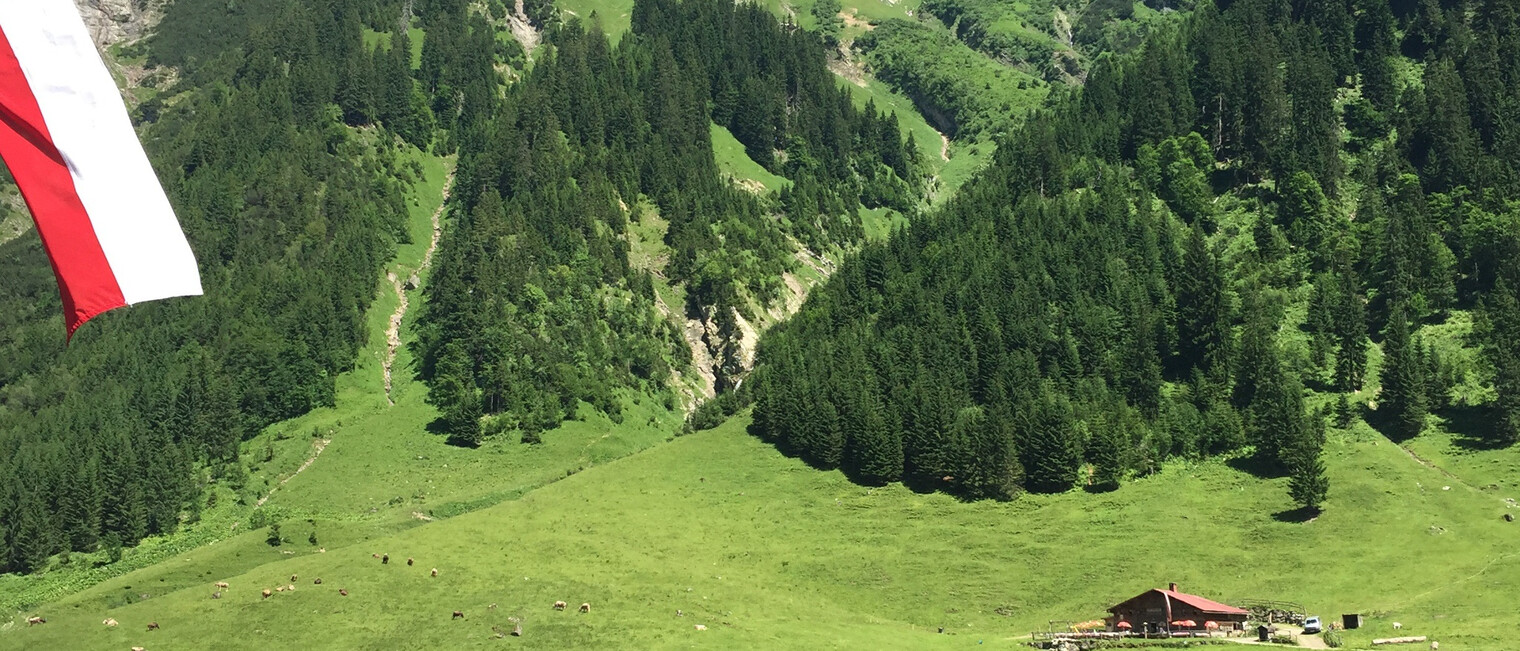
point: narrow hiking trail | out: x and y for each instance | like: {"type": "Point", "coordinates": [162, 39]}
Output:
{"type": "Point", "coordinates": [944, 147]}
{"type": "Point", "coordinates": [316, 452]}
{"type": "Point", "coordinates": [393, 331]}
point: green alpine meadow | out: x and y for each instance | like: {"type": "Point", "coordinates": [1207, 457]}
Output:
{"type": "Point", "coordinates": [786, 324]}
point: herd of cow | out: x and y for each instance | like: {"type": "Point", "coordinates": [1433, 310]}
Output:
{"type": "Point", "coordinates": [385, 559]}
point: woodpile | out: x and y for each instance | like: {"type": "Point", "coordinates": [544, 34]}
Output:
{"type": "Point", "coordinates": [1410, 639]}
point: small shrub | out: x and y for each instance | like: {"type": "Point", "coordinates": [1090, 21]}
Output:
{"type": "Point", "coordinates": [1333, 639]}
{"type": "Point", "coordinates": [274, 539]}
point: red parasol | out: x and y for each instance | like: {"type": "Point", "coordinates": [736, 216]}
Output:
{"type": "Point", "coordinates": [1211, 625]}
{"type": "Point", "coordinates": [1125, 625]}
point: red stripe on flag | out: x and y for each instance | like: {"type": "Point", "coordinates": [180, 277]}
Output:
{"type": "Point", "coordinates": [85, 281]}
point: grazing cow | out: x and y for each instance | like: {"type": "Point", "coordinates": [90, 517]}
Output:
{"type": "Point", "coordinates": [342, 592]}
{"type": "Point", "coordinates": [152, 626]}
{"type": "Point", "coordinates": [458, 614]}
{"type": "Point", "coordinates": [585, 607]}
{"type": "Point", "coordinates": [560, 605]}
{"type": "Point", "coordinates": [279, 588]}
{"type": "Point", "coordinates": [374, 556]}
{"type": "Point", "coordinates": [267, 593]}
{"type": "Point", "coordinates": [435, 572]}
{"type": "Point", "coordinates": [292, 578]}
{"type": "Point", "coordinates": [221, 584]}
{"type": "Point", "coordinates": [216, 595]}
{"type": "Point", "coordinates": [109, 622]}
{"type": "Point", "coordinates": [409, 561]}
{"type": "Point", "coordinates": [385, 559]}
{"type": "Point", "coordinates": [699, 627]}
{"type": "Point", "coordinates": [138, 648]}
{"type": "Point", "coordinates": [517, 631]}
{"type": "Point", "coordinates": [491, 607]}
{"type": "Point", "coordinates": [33, 621]}
{"type": "Point", "coordinates": [1434, 645]}
{"type": "Point", "coordinates": [1397, 626]}
{"type": "Point", "coordinates": [290, 588]}
{"type": "Point", "coordinates": [318, 581]}
{"type": "Point", "coordinates": [679, 613]}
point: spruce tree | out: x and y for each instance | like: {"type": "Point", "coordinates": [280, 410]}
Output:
{"type": "Point", "coordinates": [79, 507]}
{"type": "Point", "coordinates": [1402, 403]}
{"type": "Point", "coordinates": [1349, 323]}
{"type": "Point", "coordinates": [1203, 325]}
{"type": "Point", "coordinates": [1498, 330]}
{"type": "Point", "coordinates": [1308, 485]}
{"type": "Point", "coordinates": [1052, 453]}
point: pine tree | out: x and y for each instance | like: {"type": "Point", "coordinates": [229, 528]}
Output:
{"type": "Point", "coordinates": [1052, 453]}
{"type": "Point", "coordinates": [1107, 453]}
{"type": "Point", "coordinates": [79, 507]}
{"type": "Point", "coordinates": [1308, 485]}
{"type": "Point", "coordinates": [1402, 401]}
{"type": "Point", "coordinates": [123, 512]}
{"type": "Point", "coordinates": [1203, 327]}
{"type": "Point", "coordinates": [1498, 330]}
{"type": "Point", "coordinates": [1349, 319]}
{"type": "Point", "coordinates": [1276, 409]}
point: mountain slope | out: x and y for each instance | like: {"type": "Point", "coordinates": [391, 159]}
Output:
{"type": "Point", "coordinates": [768, 553]}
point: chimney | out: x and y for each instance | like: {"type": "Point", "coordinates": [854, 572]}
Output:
{"type": "Point", "coordinates": [1172, 586]}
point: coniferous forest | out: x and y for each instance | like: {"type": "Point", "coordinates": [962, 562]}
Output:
{"type": "Point", "coordinates": [1116, 289]}
{"type": "Point", "coordinates": [291, 216]}
{"type": "Point", "coordinates": [1214, 235]}
{"type": "Point", "coordinates": [535, 306]}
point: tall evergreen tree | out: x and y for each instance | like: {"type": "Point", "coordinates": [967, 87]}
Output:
{"type": "Point", "coordinates": [1203, 323]}
{"type": "Point", "coordinates": [1499, 329]}
{"type": "Point", "coordinates": [1402, 401]}
{"type": "Point", "coordinates": [1308, 484]}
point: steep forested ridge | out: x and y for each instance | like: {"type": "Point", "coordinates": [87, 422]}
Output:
{"type": "Point", "coordinates": [535, 306]}
{"type": "Point", "coordinates": [1121, 285]}
{"type": "Point", "coordinates": [291, 217]}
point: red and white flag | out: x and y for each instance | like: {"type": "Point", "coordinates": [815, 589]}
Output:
{"type": "Point", "coordinates": [65, 135]}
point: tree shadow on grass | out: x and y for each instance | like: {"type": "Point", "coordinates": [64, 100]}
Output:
{"type": "Point", "coordinates": [1099, 489]}
{"type": "Point", "coordinates": [1300, 514]}
{"type": "Point", "coordinates": [1257, 467]}
{"type": "Point", "coordinates": [1472, 428]}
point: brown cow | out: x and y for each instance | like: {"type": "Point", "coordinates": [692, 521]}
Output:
{"type": "Point", "coordinates": [221, 584]}
{"type": "Point", "coordinates": [279, 588]}
{"type": "Point", "coordinates": [560, 605]}
{"type": "Point", "coordinates": [585, 607]}
{"type": "Point", "coordinates": [374, 556]}
{"type": "Point", "coordinates": [33, 621]}
{"type": "Point", "coordinates": [342, 592]}
{"type": "Point", "coordinates": [318, 581]}
{"type": "Point", "coordinates": [292, 578]}
{"type": "Point", "coordinates": [435, 572]}
{"type": "Point", "coordinates": [458, 614]}
{"type": "Point", "coordinates": [267, 593]}
{"type": "Point", "coordinates": [409, 561]}
{"type": "Point", "coordinates": [385, 559]}
{"type": "Point", "coordinates": [216, 595]}
{"type": "Point", "coordinates": [152, 626]}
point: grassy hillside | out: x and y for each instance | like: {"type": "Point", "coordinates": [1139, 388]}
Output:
{"type": "Point", "coordinates": [768, 553]}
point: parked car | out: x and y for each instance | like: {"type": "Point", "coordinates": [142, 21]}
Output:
{"type": "Point", "coordinates": [1312, 625]}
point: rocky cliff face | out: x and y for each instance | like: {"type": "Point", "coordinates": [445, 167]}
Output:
{"type": "Point", "coordinates": [114, 21]}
